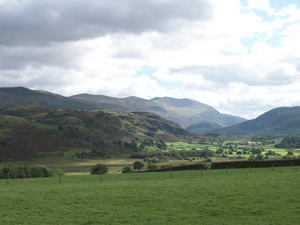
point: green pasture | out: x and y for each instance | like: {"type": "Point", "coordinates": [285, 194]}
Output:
{"type": "Point", "coordinates": [239, 197]}
{"type": "Point", "coordinates": [184, 146]}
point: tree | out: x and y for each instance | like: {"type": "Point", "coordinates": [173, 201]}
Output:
{"type": "Point", "coordinates": [138, 165]}
{"type": "Point", "coordinates": [99, 169]}
{"type": "Point", "coordinates": [126, 169]}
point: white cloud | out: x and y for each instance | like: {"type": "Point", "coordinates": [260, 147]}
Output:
{"type": "Point", "coordinates": [259, 4]}
{"type": "Point", "coordinates": [221, 52]}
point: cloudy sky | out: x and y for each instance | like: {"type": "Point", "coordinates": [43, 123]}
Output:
{"type": "Point", "coordinates": [240, 56]}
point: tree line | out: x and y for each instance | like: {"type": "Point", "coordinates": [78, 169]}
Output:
{"type": "Point", "coordinates": [14, 171]}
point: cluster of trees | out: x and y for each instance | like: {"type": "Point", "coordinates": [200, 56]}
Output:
{"type": "Point", "coordinates": [158, 156]}
{"type": "Point", "coordinates": [241, 150]}
{"type": "Point", "coordinates": [134, 146]}
{"type": "Point", "coordinates": [14, 171]}
{"type": "Point", "coordinates": [92, 155]}
{"type": "Point", "coordinates": [160, 144]}
{"type": "Point", "coordinates": [265, 140]}
{"type": "Point", "coordinates": [289, 142]}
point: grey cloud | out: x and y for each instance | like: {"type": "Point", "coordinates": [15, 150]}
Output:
{"type": "Point", "coordinates": [230, 73]}
{"type": "Point", "coordinates": [17, 58]}
{"type": "Point", "coordinates": [46, 78]}
{"type": "Point", "coordinates": [30, 22]}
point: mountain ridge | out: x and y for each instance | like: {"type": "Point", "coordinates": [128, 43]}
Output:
{"type": "Point", "coordinates": [185, 111]}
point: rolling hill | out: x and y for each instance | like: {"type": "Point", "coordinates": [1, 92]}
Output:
{"type": "Point", "coordinates": [279, 121]}
{"type": "Point", "coordinates": [27, 131]}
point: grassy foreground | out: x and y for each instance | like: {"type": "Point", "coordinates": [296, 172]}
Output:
{"type": "Point", "coordinates": [239, 197]}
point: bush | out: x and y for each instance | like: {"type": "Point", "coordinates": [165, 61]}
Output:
{"type": "Point", "coordinates": [126, 169]}
{"type": "Point", "coordinates": [99, 169]}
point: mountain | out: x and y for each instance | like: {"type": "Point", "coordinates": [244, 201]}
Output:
{"type": "Point", "coordinates": [186, 112]}
{"type": "Point", "coordinates": [27, 130]}
{"type": "Point", "coordinates": [278, 121]}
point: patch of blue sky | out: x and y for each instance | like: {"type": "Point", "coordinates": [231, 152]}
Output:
{"type": "Point", "coordinates": [145, 70]}
{"type": "Point", "coordinates": [149, 72]}
{"type": "Point", "coordinates": [264, 15]}
{"type": "Point", "coordinates": [279, 4]}
{"type": "Point", "coordinates": [249, 41]}
{"type": "Point", "coordinates": [275, 40]}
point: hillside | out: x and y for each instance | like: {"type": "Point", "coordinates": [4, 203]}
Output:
{"type": "Point", "coordinates": [203, 127]}
{"type": "Point", "coordinates": [27, 131]}
{"type": "Point", "coordinates": [279, 121]}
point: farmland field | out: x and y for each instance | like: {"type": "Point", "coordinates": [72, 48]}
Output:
{"type": "Point", "coordinates": [239, 197]}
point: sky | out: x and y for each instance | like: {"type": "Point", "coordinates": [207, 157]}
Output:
{"type": "Point", "coordinates": [240, 56]}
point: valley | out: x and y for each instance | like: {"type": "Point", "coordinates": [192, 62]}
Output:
{"type": "Point", "coordinates": [39, 129]}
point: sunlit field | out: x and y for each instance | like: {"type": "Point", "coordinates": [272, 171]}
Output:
{"type": "Point", "coordinates": [259, 196]}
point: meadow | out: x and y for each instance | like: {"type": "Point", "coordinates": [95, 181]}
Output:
{"type": "Point", "coordinates": [239, 197]}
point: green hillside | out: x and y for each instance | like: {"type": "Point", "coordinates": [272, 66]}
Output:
{"type": "Point", "coordinates": [280, 121]}
{"type": "Point", "coordinates": [27, 131]}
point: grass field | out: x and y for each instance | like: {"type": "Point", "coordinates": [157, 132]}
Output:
{"type": "Point", "coordinates": [240, 197]}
